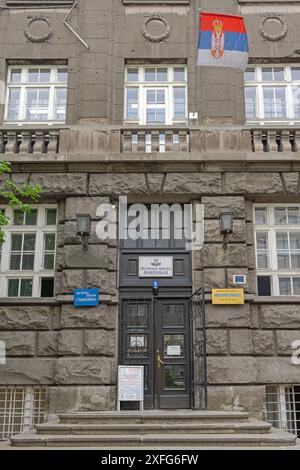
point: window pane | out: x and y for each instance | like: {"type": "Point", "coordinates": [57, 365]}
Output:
{"type": "Point", "coordinates": [179, 102]}
{"type": "Point", "coordinates": [49, 241]}
{"type": "Point", "coordinates": [28, 262]}
{"type": "Point", "coordinates": [274, 102]}
{"type": "Point", "coordinates": [31, 217]}
{"type": "Point", "coordinates": [47, 287]}
{"type": "Point", "coordinates": [16, 242]}
{"type": "Point", "coordinates": [260, 215]}
{"type": "Point", "coordinates": [48, 261]}
{"type": "Point", "coordinates": [295, 240]}
{"type": "Point", "coordinates": [179, 74]}
{"type": "Point", "coordinates": [293, 215]}
{"type": "Point", "coordinates": [273, 73]}
{"type": "Point", "coordinates": [280, 97]}
{"type": "Point", "coordinates": [15, 262]}
{"type": "Point", "coordinates": [51, 215]}
{"type": "Point", "coordinates": [250, 75]}
{"type": "Point", "coordinates": [62, 75]}
{"type": "Point", "coordinates": [37, 104]}
{"type": "Point", "coordinates": [13, 288]}
{"type": "Point", "coordinates": [174, 377]}
{"type": "Point", "coordinates": [296, 285]}
{"type": "Point", "coordinates": [264, 285]}
{"type": "Point", "coordinates": [150, 75]}
{"type": "Point", "coordinates": [15, 76]}
{"type": "Point", "coordinates": [296, 73]}
{"type": "Point", "coordinates": [280, 216]}
{"type": "Point", "coordinates": [295, 260]}
{"type": "Point", "coordinates": [262, 240]}
{"type": "Point", "coordinates": [33, 75]}
{"type": "Point", "coordinates": [162, 75]}
{"type": "Point", "coordinates": [132, 75]}
{"type": "Point", "coordinates": [283, 261]}
{"type": "Point", "coordinates": [26, 288]}
{"type": "Point", "coordinates": [29, 242]}
{"type": "Point", "coordinates": [44, 75]}
{"type": "Point", "coordinates": [160, 96]}
{"type": "Point", "coordinates": [296, 101]}
{"type": "Point", "coordinates": [39, 75]}
{"type": "Point", "coordinates": [282, 241]}
{"type": "Point", "coordinates": [285, 286]}
{"type": "Point", "coordinates": [132, 103]}
{"type": "Point", "coordinates": [60, 103]}
{"type": "Point", "coordinates": [251, 106]}
{"type": "Point", "coordinates": [151, 96]}
{"type": "Point", "coordinates": [18, 217]}
{"type": "Point", "coordinates": [13, 104]}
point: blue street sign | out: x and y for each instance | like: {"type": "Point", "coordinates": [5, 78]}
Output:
{"type": "Point", "coordinates": [155, 284]}
{"type": "Point", "coordinates": [86, 297]}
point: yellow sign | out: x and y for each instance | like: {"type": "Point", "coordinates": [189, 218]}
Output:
{"type": "Point", "coordinates": [228, 296]}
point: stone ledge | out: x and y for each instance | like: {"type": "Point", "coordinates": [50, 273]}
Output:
{"type": "Point", "coordinates": [28, 301]}
{"type": "Point", "coordinates": [282, 299]}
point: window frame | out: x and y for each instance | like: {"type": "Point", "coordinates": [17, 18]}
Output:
{"type": "Point", "coordinates": [38, 272]}
{"type": "Point", "coordinates": [143, 85]}
{"type": "Point", "coordinates": [258, 84]}
{"type": "Point", "coordinates": [271, 229]}
{"type": "Point", "coordinates": [24, 85]}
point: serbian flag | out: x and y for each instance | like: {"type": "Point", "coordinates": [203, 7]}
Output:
{"type": "Point", "coordinates": [223, 41]}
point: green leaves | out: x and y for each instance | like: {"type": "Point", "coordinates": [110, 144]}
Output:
{"type": "Point", "coordinates": [15, 195]}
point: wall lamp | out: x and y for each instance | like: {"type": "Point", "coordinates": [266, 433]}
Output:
{"type": "Point", "coordinates": [83, 228]}
{"type": "Point", "coordinates": [226, 226]}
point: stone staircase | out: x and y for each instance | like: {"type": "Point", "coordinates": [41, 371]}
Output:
{"type": "Point", "coordinates": [154, 430]}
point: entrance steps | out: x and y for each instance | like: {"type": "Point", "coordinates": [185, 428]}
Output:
{"type": "Point", "coordinates": [154, 429]}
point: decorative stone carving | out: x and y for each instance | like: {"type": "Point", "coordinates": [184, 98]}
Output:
{"type": "Point", "coordinates": [44, 28]}
{"type": "Point", "coordinates": [268, 21]}
{"type": "Point", "coordinates": [164, 26]}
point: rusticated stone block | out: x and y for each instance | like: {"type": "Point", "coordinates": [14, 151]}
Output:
{"type": "Point", "coordinates": [25, 317]}
{"type": "Point", "coordinates": [103, 316]}
{"type": "Point", "coordinates": [214, 278]}
{"type": "Point", "coordinates": [18, 343]}
{"type": "Point", "coordinates": [253, 183]}
{"type": "Point", "coordinates": [196, 183]}
{"type": "Point", "coordinates": [69, 235]}
{"type": "Point", "coordinates": [214, 205]}
{"type": "Point", "coordinates": [223, 316]}
{"type": "Point", "coordinates": [47, 343]}
{"type": "Point", "coordinates": [241, 342]}
{"type": "Point", "coordinates": [234, 271]}
{"type": "Point", "coordinates": [84, 371]}
{"type": "Point", "coordinates": [263, 343]}
{"type": "Point", "coordinates": [100, 342]}
{"type": "Point", "coordinates": [276, 370]}
{"type": "Point", "coordinates": [216, 342]}
{"type": "Point", "coordinates": [249, 398]}
{"type": "Point", "coordinates": [285, 340]}
{"type": "Point", "coordinates": [60, 184]}
{"type": "Point", "coordinates": [56, 323]}
{"type": "Point", "coordinates": [27, 372]}
{"type": "Point", "coordinates": [84, 205]}
{"type": "Point", "coordinates": [81, 398]}
{"type": "Point", "coordinates": [291, 181]}
{"type": "Point", "coordinates": [117, 184]}
{"type": "Point", "coordinates": [231, 370]}
{"type": "Point", "coordinates": [280, 316]}
{"type": "Point", "coordinates": [106, 281]}
{"type": "Point", "coordinates": [70, 343]}
{"type": "Point", "coordinates": [212, 231]}
{"type": "Point", "coordinates": [216, 255]}
{"type": "Point", "coordinates": [71, 279]}
{"type": "Point", "coordinates": [95, 256]}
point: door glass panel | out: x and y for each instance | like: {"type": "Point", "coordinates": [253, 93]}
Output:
{"type": "Point", "coordinates": [174, 377]}
{"type": "Point", "coordinates": [174, 346]}
{"type": "Point", "coordinates": [173, 316]}
{"type": "Point", "coordinates": [137, 345]}
{"type": "Point", "coordinates": [137, 315]}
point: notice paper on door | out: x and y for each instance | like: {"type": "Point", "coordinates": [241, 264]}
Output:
{"type": "Point", "coordinates": [173, 351]}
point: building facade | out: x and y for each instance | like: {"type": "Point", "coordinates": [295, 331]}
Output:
{"type": "Point", "coordinates": [102, 99]}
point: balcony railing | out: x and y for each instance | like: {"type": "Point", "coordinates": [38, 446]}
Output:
{"type": "Point", "coordinates": [29, 141]}
{"type": "Point", "coordinates": [85, 142]}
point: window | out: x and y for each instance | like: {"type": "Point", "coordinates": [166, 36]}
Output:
{"type": "Point", "coordinates": [156, 95]}
{"type": "Point", "coordinates": [272, 93]}
{"type": "Point", "coordinates": [28, 253]}
{"type": "Point", "coordinates": [36, 94]}
{"type": "Point", "coordinates": [283, 407]}
{"type": "Point", "coordinates": [277, 241]}
{"type": "Point", "coordinates": [21, 408]}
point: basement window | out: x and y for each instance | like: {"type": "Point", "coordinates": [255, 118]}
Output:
{"type": "Point", "coordinates": [283, 407]}
{"type": "Point", "coordinates": [21, 408]}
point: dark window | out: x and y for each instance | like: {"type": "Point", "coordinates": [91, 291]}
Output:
{"type": "Point", "coordinates": [264, 285]}
{"type": "Point", "coordinates": [47, 287]}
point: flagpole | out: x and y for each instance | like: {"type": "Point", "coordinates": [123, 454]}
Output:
{"type": "Point", "coordinates": [198, 10]}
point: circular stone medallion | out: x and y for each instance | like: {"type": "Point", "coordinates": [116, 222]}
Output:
{"type": "Point", "coordinates": [156, 29]}
{"type": "Point", "coordinates": [38, 29]}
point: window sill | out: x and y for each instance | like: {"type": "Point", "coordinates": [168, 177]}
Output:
{"type": "Point", "coordinates": [28, 301]}
{"type": "Point", "coordinates": [277, 299]}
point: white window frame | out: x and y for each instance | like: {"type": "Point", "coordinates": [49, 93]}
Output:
{"type": "Point", "coordinates": [24, 85]}
{"type": "Point", "coordinates": [168, 85]}
{"type": "Point", "coordinates": [259, 84]}
{"type": "Point", "coordinates": [38, 272]}
{"type": "Point", "coordinates": [270, 228]}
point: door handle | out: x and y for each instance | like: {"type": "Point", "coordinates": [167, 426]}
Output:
{"type": "Point", "coordinates": [159, 361]}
